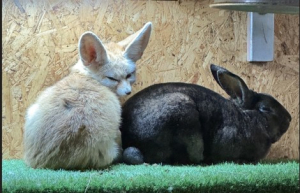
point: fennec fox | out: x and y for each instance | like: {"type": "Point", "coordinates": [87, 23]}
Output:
{"type": "Point", "coordinates": [74, 124]}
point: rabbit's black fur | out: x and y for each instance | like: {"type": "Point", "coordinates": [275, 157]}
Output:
{"type": "Point", "coordinates": [180, 123]}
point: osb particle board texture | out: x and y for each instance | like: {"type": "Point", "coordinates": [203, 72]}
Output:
{"type": "Point", "coordinates": [40, 38]}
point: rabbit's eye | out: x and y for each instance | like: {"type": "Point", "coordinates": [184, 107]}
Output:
{"type": "Point", "coordinates": [265, 109]}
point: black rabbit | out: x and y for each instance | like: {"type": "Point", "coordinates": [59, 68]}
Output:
{"type": "Point", "coordinates": [180, 123]}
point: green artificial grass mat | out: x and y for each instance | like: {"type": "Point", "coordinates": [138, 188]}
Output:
{"type": "Point", "coordinates": [267, 177]}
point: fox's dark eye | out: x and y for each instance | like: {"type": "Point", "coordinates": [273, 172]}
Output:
{"type": "Point", "coordinates": [265, 109]}
{"type": "Point", "coordinates": [128, 76]}
{"type": "Point", "coordinates": [111, 78]}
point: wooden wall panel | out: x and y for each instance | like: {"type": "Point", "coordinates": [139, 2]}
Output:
{"type": "Point", "coordinates": [39, 42]}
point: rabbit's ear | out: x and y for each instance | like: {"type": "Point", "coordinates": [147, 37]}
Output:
{"type": "Point", "coordinates": [233, 85]}
{"type": "Point", "coordinates": [136, 43]}
{"type": "Point", "coordinates": [91, 50]}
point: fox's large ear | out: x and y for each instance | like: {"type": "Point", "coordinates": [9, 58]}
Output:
{"type": "Point", "coordinates": [233, 85]}
{"type": "Point", "coordinates": [91, 50]}
{"type": "Point", "coordinates": [136, 43]}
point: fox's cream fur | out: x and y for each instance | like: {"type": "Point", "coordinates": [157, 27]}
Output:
{"type": "Point", "coordinates": [74, 124]}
